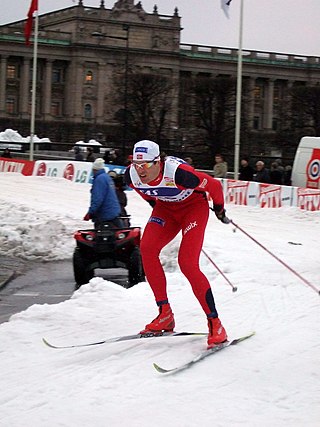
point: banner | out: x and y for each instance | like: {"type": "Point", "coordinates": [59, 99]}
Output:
{"type": "Point", "coordinates": [73, 171]}
{"type": "Point", "coordinates": [19, 166]}
{"type": "Point", "coordinates": [308, 199]}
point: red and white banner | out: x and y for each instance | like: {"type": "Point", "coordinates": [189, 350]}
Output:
{"type": "Point", "coordinates": [308, 199]}
{"type": "Point", "coordinates": [270, 196]}
{"type": "Point", "coordinates": [237, 192]}
{"type": "Point", "coordinates": [13, 165]}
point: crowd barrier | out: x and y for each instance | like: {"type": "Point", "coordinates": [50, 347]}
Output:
{"type": "Point", "coordinates": [235, 192]}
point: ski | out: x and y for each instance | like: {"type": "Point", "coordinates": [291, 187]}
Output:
{"type": "Point", "coordinates": [126, 338]}
{"type": "Point", "coordinates": [202, 355]}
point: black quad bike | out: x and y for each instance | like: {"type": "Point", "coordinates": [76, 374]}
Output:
{"type": "Point", "coordinates": [107, 247]}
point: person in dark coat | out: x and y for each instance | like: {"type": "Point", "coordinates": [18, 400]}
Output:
{"type": "Point", "coordinates": [90, 155]}
{"type": "Point", "coordinates": [276, 175]}
{"type": "Point", "coordinates": [262, 174]}
{"type": "Point", "coordinates": [78, 156]}
{"type": "Point", "coordinates": [122, 197]}
{"type": "Point", "coordinates": [246, 171]}
{"type": "Point", "coordinates": [6, 153]}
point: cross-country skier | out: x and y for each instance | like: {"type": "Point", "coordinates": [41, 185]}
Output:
{"type": "Point", "coordinates": [177, 194]}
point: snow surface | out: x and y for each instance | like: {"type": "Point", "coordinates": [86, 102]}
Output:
{"type": "Point", "coordinates": [273, 379]}
{"type": "Point", "coordinates": [10, 135]}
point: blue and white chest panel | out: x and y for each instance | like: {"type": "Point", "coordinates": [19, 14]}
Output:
{"type": "Point", "coordinates": [166, 190]}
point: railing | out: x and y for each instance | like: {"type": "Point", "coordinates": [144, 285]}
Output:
{"type": "Point", "coordinates": [230, 54]}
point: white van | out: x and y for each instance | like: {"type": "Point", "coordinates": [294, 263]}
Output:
{"type": "Point", "coordinates": [306, 165]}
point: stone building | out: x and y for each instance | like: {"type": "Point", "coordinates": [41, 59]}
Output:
{"type": "Point", "coordinates": [80, 51]}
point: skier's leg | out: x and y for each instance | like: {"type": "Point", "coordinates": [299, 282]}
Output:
{"type": "Point", "coordinates": [159, 231]}
{"type": "Point", "coordinates": [194, 224]}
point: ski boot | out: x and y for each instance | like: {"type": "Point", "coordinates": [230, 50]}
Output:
{"type": "Point", "coordinates": [164, 322]}
{"type": "Point", "coordinates": [217, 333]}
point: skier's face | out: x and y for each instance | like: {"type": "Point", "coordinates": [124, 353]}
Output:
{"type": "Point", "coordinates": [147, 171]}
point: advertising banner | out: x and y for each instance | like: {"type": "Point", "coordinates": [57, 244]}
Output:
{"type": "Point", "coordinates": [313, 170]}
{"type": "Point", "coordinates": [13, 165]}
{"type": "Point", "coordinates": [240, 192]}
{"type": "Point", "coordinates": [73, 171]}
{"type": "Point", "coordinates": [269, 196]}
{"type": "Point", "coordinates": [308, 199]}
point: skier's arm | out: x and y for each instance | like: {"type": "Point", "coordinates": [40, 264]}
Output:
{"type": "Point", "coordinates": [187, 177]}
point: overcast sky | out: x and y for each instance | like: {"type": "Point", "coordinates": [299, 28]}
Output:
{"type": "Point", "coordinates": [285, 26]}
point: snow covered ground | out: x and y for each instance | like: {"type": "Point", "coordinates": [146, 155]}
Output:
{"type": "Point", "coordinates": [273, 379]}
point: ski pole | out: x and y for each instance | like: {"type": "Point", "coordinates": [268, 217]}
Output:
{"type": "Point", "coordinates": [278, 259]}
{"type": "Point", "coordinates": [234, 288]}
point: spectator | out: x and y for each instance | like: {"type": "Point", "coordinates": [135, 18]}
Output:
{"type": "Point", "coordinates": [122, 197]}
{"type": "Point", "coordinates": [104, 203]}
{"type": "Point", "coordinates": [287, 175]}
{"type": "Point", "coordinates": [262, 174]}
{"type": "Point", "coordinates": [279, 163]}
{"type": "Point", "coordinates": [78, 156]}
{"type": "Point", "coordinates": [189, 161]}
{"type": "Point", "coordinates": [6, 153]}
{"type": "Point", "coordinates": [115, 158]}
{"type": "Point", "coordinates": [90, 155]}
{"type": "Point", "coordinates": [106, 157]}
{"type": "Point", "coordinates": [276, 176]}
{"type": "Point", "coordinates": [220, 168]}
{"type": "Point", "coordinates": [129, 160]}
{"type": "Point", "coordinates": [246, 171]}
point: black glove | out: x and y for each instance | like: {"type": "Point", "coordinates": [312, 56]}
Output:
{"type": "Point", "coordinates": [221, 215]}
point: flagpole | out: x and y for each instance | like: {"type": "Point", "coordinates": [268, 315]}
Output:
{"type": "Point", "coordinates": [238, 101]}
{"type": "Point", "coordinates": [34, 84]}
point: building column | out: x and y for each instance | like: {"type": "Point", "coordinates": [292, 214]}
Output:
{"type": "Point", "coordinates": [25, 89]}
{"type": "Point", "coordinates": [101, 93]}
{"type": "Point", "coordinates": [47, 89]}
{"type": "Point", "coordinates": [3, 83]}
{"type": "Point", "coordinates": [174, 114]}
{"type": "Point", "coordinates": [268, 106]}
{"type": "Point", "coordinates": [73, 93]}
{"type": "Point", "coordinates": [251, 88]}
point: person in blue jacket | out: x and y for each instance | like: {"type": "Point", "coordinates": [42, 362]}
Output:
{"type": "Point", "coordinates": [104, 204]}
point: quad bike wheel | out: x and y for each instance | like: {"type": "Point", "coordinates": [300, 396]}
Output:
{"type": "Point", "coordinates": [135, 268]}
{"type": "Point", "coordinates": [81, 274]}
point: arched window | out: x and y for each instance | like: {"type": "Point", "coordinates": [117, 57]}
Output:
{"type": "Point", "coordinates": [88, 111]}
{"type": "Point", "coordinates": [89, 77]}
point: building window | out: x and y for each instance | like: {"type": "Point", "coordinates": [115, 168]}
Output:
{"type": "Point", "coordinates": [57, 75]}
{"type": "Point", "coordinates": [259, 91]}
{"type": "Point", "coordinates": [11, 71]}
{"type": "Point", "coordinates": [278, 94]}
{"type": "Point", "coordinates": [274, 124]}
{"type": "Point", "coordinates": [88, 111]}
{"type": "Point", "coordinates": [89, 77]}
{"type": "Point", "coordinates": [10, 105]}
{"type": "Point", "coordinates": [256, 123]}
{"type": "Point", "coordinates": [56, 108]}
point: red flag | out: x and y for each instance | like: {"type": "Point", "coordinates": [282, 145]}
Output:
{"type": "Point", "coordinates": [28, 26]}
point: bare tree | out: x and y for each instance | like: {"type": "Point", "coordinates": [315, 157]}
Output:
{"type": "Point", "coordinates": [215, 108]}
{"type": "Point", "coordinates": [149, 101]}
{"type": "Point", "coordinates": [306, 109]}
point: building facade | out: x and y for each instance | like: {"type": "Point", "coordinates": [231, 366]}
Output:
{"type": "Point", "coordinates": [81, 50]}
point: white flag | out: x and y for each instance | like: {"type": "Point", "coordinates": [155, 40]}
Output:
{"type": "Point", "coordinates": [225, 5]}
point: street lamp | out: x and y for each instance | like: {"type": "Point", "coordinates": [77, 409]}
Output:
{"type": "Point", "coordinates": [125, 27]}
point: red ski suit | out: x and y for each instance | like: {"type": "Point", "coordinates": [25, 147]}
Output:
{"type": "Point", "coordinates": [179, 204]}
